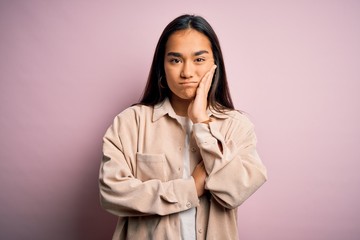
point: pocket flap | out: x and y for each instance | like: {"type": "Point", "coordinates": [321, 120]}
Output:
{"type": "Point", "coordinates": [150, 166]}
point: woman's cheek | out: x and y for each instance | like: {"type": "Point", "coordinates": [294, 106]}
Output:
{"type": "Point", "coordinates": [205, 69]}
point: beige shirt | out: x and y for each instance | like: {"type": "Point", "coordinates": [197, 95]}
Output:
{"type": "Point", "coordinates": [141, 173]}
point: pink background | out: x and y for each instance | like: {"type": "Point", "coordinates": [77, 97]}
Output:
{"type": "Point", "coordinates": [68, 67]}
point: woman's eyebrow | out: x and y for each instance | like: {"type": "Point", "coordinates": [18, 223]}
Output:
{"type": "Point", "coordinates": [198, 53]}
{"type": "Point", "coordinates": [176, 54]}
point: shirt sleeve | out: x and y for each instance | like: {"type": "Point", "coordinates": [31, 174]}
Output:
{"type": "Point", "coordinates": [122, 194]}
{"type": "Point", "coordinates": [236, 171]}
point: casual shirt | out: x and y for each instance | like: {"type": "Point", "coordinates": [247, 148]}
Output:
{"type": "Point", "coordinates": [141, 173]}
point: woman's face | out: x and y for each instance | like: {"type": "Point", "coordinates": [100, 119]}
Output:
{"type": "Point", "coordinates": [188, 56]}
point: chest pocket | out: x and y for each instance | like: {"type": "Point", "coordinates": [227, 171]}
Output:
{"type": "Point", "coordinates": [150, 166]}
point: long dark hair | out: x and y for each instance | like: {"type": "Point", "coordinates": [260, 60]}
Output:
{"type": "Point", "coordinates": [219, 95]}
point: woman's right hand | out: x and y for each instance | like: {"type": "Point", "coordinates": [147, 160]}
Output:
{"type": "Point", "coordinates": [199, 175]}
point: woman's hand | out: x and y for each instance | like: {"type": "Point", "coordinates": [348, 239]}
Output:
{"type": "Point", "coordinates": [199, 175]}
{"type": "Point", "coordinates": [197, 108]}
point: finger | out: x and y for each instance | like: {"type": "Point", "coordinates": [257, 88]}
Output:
{"type": "Point", "coordinates": [203, 85]}
{"type": "Point", "coordinates": [200, 164]}
{"type": "Point", "coordinates": [205, 78]}
{"type": "Point", "coordinates": [210, 74]}
{"type": "Point", "coordinates": [209, 78]}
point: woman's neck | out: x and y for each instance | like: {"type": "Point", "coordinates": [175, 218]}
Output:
{"type": "Point", "coordinates": [180, 105]}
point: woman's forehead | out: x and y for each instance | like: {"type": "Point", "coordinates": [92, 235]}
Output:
{"type": "Point", "coordinates": [188, 40]}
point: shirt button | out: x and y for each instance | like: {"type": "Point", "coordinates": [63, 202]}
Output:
{"type": "Point", "coordinates": [188, 205]}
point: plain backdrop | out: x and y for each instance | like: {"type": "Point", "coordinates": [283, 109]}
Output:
{"type": "Point", "coordinates": [68, 67]}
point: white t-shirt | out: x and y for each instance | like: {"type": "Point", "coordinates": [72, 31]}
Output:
{"type": "Point", "coordinates": [187, 218]}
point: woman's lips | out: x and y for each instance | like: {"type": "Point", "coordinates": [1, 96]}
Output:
{"type": "Point", "coordinates": [191, 83]}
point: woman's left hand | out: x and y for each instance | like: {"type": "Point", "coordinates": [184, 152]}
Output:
{"type": "Point", "coordinates": [197, 108]}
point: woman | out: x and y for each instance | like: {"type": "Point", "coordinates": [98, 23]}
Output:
{"type": "Point", "coordinates": [178, 164]}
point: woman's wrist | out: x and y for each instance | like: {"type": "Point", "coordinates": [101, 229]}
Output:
{"type": "Point", "coordinates": [199, 117]}
{"type": "Point", "coordinates": [206, 121]}
{"type": "Point", "coordinates": [203, 120]}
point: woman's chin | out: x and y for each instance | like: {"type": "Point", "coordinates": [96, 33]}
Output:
{"type": "Point", "coordinates": [189, 95]}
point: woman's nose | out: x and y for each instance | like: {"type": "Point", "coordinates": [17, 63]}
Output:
{"type": "Point", "coordinates": [187, 70]}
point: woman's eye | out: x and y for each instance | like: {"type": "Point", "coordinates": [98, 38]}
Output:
{"type": "Point", "coordinates": [174, 60]}
{"type": "Point", "coordinates": [199, 60]}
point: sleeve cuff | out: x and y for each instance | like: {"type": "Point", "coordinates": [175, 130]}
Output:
{"type": "Point", "coordinates": [183, 193]}
{"type": "Point", "coordinates": [203, 135]}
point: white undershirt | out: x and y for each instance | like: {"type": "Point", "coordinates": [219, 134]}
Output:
{"type": "Point", "coordinates": [187, 218]}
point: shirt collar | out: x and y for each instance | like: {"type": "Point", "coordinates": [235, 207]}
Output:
{"type": "Point", "coordinates": [165, 108]}
{"type": "Point", "coordinates": [162, 109]}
